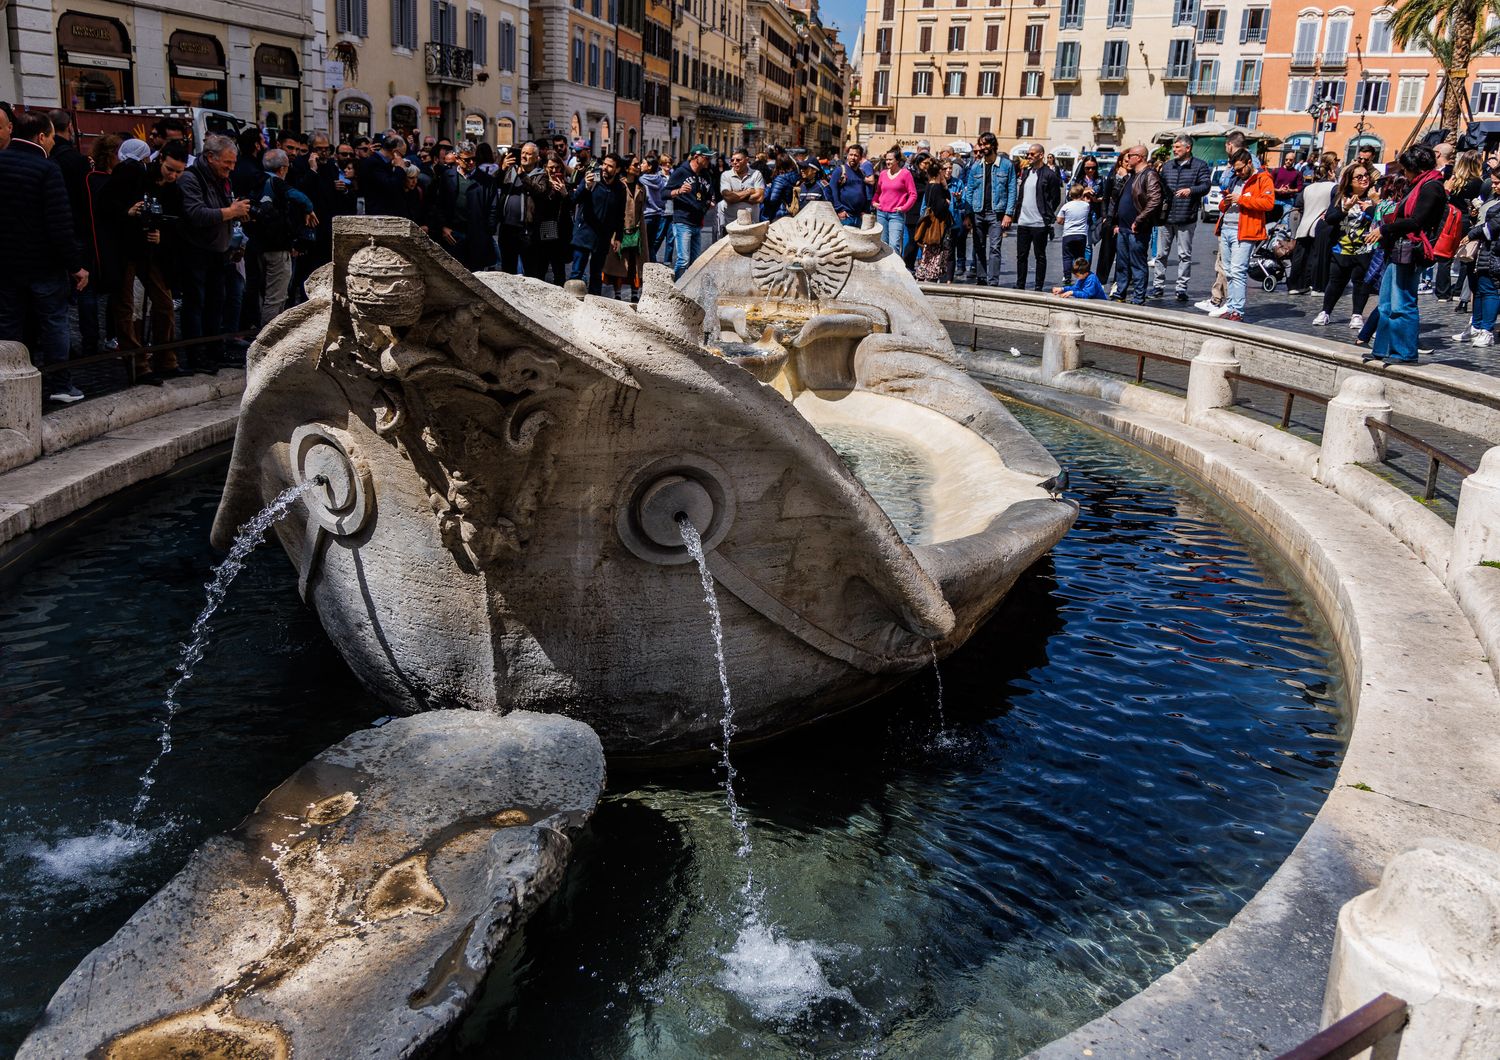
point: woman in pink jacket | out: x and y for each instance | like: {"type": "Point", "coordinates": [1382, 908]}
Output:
{"type": "Point", "coordinates": [895, 193]}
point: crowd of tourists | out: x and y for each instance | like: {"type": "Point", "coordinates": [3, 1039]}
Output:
{"type": "Point", "coordinates": [153, 244]}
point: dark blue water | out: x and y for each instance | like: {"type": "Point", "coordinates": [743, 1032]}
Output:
{"type": "Point", "coordinates": [1131, 746]}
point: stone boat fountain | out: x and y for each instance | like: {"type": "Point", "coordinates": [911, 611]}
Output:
{"type": "Point", "coordinates": [507, 462]}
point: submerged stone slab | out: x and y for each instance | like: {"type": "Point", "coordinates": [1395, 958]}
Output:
{"type": "Point", "coordinates": [355, 912]}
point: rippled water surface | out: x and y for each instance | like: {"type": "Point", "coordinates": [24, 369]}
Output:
{"type": "Point", "coordinates": [1131, 746]}
{"type": "Point", "coordinates": [896, 475]}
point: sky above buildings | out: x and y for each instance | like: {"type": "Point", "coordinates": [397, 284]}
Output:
{"type": "Point", "coordinates": [847, 15]}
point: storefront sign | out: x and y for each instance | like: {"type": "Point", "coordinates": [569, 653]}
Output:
{"type": "Point", "coordinates": [271, 61]}
{"type": "Point", "coordinates": [92, 36]}
{"type": "Point", "coordinates": [474, 126]}
{"type": "Point", "coordinates": [196, 50]}
{"type": "Point", "coordinates": [434, 112]}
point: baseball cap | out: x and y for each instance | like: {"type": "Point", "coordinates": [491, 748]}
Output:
{"type": "Point", "coordinates": [701, 149]}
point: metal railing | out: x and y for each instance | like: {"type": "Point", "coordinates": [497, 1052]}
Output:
{"type": "Point", "coordinates": [448, 64]}
{"type": "Point", "coordinates": [1203, 86]}
{"type": "Point", "coordinates": [1435, 456]}
{"type": "Point", "coordinates": [1291, 393]}
{"type": "Point", "coordinates": [1112, 72]}
{"type": "Point", "coordinates": [129, 355]}
{"type": "Point", "coordinates": [1304, 58]}
{"type": "Point", "coordinates": [1177, 73]}
{"type": "Point", "coordinates": [1247, 88]}
{"type": "Point", "coordinates": [1063, 72]}
{"type": "Point", "coordinates": [1376, 1026]}
{"type": "Point", "coordinates": [1336, 58]}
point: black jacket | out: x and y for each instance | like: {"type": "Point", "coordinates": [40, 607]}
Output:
{"type": "Point", "coordinates": [1048, 193]}
{"type": "Point", "coordinates": [37, 237]}
{"type": "Point", "coordinates": [1196, 176]}
{"type": "Point", "coordinates": [382, 185]}
{"type": "Point", "coordinates": [601, 214]}
{"type": "Point", "coordinates": [75, 170]}
{"type": "Point", "coordinates": [1427, 215]}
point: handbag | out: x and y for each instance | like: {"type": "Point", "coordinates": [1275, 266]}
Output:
{"type": "Point", "coordinates": [1403, 253]}
{"type": "Point", "coordinates": [631, 240]}
{"type": "Point", "coordinates": [1467, 252]}
{"type": "Point", "coordinates": [546, 232]}
{"type": "Point", "coordinates": [930, 231]}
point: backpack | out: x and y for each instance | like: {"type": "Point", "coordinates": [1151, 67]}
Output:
{"type": "Point", "coordinates": [270, 225]}
{"type": "Point", "coordinates": [1450, 232]}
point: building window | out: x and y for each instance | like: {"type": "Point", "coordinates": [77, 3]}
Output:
{"type": "Point", "coordinates": [953, 84]}
{"type": "Point", "coordinates": [1331, 91]}
{"type": "Point", "coordinates": [1116, 59]}
{"type": "Point", "coordinates": [1380, 35]}
{"type": "Point", "coordinates": [1120, 13]}
{"type": "Point", "coordinates": [1247, 76]}
{"type": "Point", "coordinates": [1185, 12]}
{"type": "Point", "coordinates": [1409, 95]}
{"type": "Point", "coordinates": [578, 60]}
{"type": "Point", "coordinates": [924, 39]}
{"type": "Point", "coordinates": [1070, 16]}
{"type": "Point", "coordinates": [1255, 25]}
{"type": "Point", "coordinates": [594, 65]}
{"type": "Point", "coordinates": [352, 16]}
{"type": "Point", "coordinates": [1203, 114]}
{"type": "Point", "coordinates": [1031, 84]}
{"type": "Point", "coordinates": [1179, 58]}
{"type": "Point", "coordinates": [1245, 117]}
{"type": "Point", "coordinates": [1067, 59]}
{"type": "Point", "coordinates": [888, 10]}
{"type": "Point", "coordinates": [880, 123]}
{"type": "Point", "coordinates": [919, 124]}
{"type": "Point", "coordinates": [883, 43]}
{"type": "Point", "coordinates": [1175, 102]}
{"type": "Point", "coordinates": [1336, 44]}
{"type": "Point", "coordinates": [992, 37]}
{"type": "Point", "coordinates": [1063, 107]}
{"type": "Point", "coordinates": [609, 71]}
{"type": "Point", "coordinates": [1032, 44]}
{"type": "Point", "coordinates": [404, 24]}
{"type": "Point", "coordinates": [1305, 50]}
{"type": "Point", "coordinates": [479, 37]}
{"type": "Point", "coordinates": [1371, 97]}
{"type": "Point", "coordinates": [1025, 127]}
{"type": "Point", "coordinates": [1298, 95]}
{"type": "Point", "coordinates": [955, 38]}
{"type": "Point", "coordinates": [1211, 25]}
{"type": "Point", "coordinates": [1485, 99]}
{"type": "Point", "coordinates": [921, 82]}
{"type": "Point", "coordinates": [1109, 104]}
{"type": "Point", "coordinates": [984, 126]}
{"type": "Point", "coordinates": [950, 125]}
{"type": "Point", "coordinates": [989, 82]}
{"type": "Point", "coordinates": [507, 46]}
{"type": "Point", "coordinates": [1205, 79]}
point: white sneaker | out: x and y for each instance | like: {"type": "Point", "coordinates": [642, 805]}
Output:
{"type": "Point", "coordinates": [1218, 310]}
{"type": "Point", "coordinates": [1484, 338]}
{"type": "Point", "coordinates": [1356, 322]}
{"type": "Point", "coordinates": [1321, 320]}
{"type": "Point", "coordinates": [1205, 305]}
{"type": "Point", "coordinates": [1467, 334]}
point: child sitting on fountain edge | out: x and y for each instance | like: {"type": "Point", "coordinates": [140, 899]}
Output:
{"type": "Point", "coordinates": [1085, 284]}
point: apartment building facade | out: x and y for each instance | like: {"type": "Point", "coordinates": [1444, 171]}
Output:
{"type": "Point", "coordinates": [656, 93]}
{"type": "Point", "coordinates": [573, 61]}
{"type": "Point", "coordinates": [1344, 53]}
{"type": "Point", "coordinates": [770, 78]}
{"type": "Point", "coordinates": [709, 75]}
{"type": "Point", "coordinates": [246, 58]}
{"type": "Point", "coordinates": [940, 70]}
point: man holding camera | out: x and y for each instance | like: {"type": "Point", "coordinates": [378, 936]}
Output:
{"type": "Point", "coordinates": [210, 215]}
{"type": "Point", "coordinates": [152, 248]}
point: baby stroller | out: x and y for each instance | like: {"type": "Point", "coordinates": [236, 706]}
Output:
{"type": "Point", "coordinates": [1270, 261]}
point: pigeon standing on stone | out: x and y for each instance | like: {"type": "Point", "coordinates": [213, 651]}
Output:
{"type": "Point", "coordinates": [1055, 485]}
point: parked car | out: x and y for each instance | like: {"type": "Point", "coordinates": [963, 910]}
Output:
{"type": "Point", "coordinates": [1215, 193]}
{"type": "Point", "coordinates": [137, 121]}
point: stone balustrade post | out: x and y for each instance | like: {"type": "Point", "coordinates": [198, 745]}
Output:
{"type": "Point", "coordinates": [1209, 386]}
{"type": "Point", "coordinates": [1061, 344]}
{"type": "Point", "coordinates": [1426, 934]}
{"type": "Point", "coordinates": [1347, 438]}
{"type": "Point", "coordinates": [20, 407]}
{"type": "Point", "coordinates": [1476, 531]}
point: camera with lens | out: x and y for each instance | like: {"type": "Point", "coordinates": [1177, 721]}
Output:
{"type": "Point", "coordinates": [152, 214]}
{"type": "Point", "coordinates": [257, 212]}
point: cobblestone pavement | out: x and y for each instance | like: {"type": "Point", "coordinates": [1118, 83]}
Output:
{"type": "Point", "coordinates": [1288, 312]}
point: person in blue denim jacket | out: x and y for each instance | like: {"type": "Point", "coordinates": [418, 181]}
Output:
{"type": "Point", "coordinates": [990, 196]}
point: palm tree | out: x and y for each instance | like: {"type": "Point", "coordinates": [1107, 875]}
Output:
{"type": "Point", "coordinates": [1454, 32]}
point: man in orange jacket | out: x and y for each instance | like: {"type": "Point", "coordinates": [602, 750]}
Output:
{"type": "Point", "coordinates": [1242, 224]}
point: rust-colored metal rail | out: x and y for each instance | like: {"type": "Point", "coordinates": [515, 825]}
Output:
{"type": "Point", "coordinates": [1435, 456]}
{"type": "Point", "coordinates": [123, 352]}
{"type": "Point", "coordinates": [1376, 1026]}
{"type": "Point", "coordinates": [1291, 393]}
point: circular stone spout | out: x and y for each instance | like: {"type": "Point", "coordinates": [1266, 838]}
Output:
{"type": "Point", "coordinates": [665, 501]}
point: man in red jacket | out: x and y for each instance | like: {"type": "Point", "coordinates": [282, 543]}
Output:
{"type": "Point", "coordinates": [1242, 225]}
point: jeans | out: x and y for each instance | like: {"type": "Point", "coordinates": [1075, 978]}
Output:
{"type": "Point", "coordinates": [579, 270]}
{"type": "Point", "coordinates": [1486, 302]}
{"type": "Point", "coordinates": [1396, 337]}
{"type": "Point", "coordinates": [988, 234]}
{"type": "Point", "coordinates": [1130, 265]}
{"type": "Point", "coordinates": [892, 229]}
{"type": "Point", "coordinates": [87, 301]}
{"type": "Point", "coordinates": [687, 244]}
{"type": "Point", "coordinates": [1031, 240]}
{"type": "Point", "coordinates": [1175, 239]}
{"type": "Point", "coordinates": [1073, 248]}
{"type": "Point", "coordinates": [512, 244]}
{"type": "Point", "coordinates": [656, 234]}
{"type": "Point", "coordinates": [1235, 253]}
{"type": "Point", "coordinates": [36, 312]}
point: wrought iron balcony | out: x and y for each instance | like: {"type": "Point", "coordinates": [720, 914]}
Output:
{"type": "Point", "coordinates": [1065, 72]}
{"type": "Point", "coordinates": [448, 64]}
{"type": "Point", "coordinates": [1112, 72]}
{"type": "Point", "coordinates": [1304, 58]}
{"type": "Point", "coordinates": [1246, 88]}
{"type": "Point", "coordinates": [1338, 58]}
{"type": "Point", "coordinates": [1203, 86]}
{"type": "Point", "coordinates": [1180, 72]}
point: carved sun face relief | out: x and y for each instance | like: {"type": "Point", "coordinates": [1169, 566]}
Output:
{"type": "Point", "coordinates": [803, 257]}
